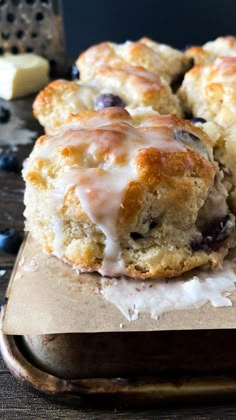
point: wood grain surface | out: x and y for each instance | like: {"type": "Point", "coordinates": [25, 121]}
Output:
{"type": "Point", "coordinates": [18, 402]}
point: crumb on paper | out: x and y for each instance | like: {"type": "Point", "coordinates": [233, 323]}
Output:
{"type": "Point", "coordinates": [32, 265]}
{"type": "Point", "coordinates": [121, 325]}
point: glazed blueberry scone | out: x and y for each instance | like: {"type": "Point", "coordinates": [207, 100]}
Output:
{"type": "Point", "coordinates": [126, 87]}
{"type": "Point", "coordinates": [224, 46]}
{"type": "Point", "coordinates": [145, 201]}
{"type": "Point", "coordinates": [159, 59]}
{"type": "Point", "coordinates": [210, 91]}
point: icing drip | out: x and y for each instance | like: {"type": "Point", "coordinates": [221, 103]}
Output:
{"type": "Point", "coordinates": [159, 296]}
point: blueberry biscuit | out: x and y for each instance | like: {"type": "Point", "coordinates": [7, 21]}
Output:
{"type": "Point", "coordinates": [131, 88]}
{"type": "Point", "coordinates": [210, 91]}
{"type": "Point", "coordinates": [106, 195]}
{"type": "Point", "coordinates": [224, 46]}
{"type": "Point", "coordinates": [138, 73]}
{"type": "Point", "coordinates": [147, 54]}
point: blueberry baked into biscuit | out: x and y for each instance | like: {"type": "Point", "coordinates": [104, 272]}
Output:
{"type": "Point", "coordinates": [144, 200]}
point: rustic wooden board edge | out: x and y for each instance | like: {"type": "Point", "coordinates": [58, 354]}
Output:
{"type": "Point", "coordinates": [122, 392]}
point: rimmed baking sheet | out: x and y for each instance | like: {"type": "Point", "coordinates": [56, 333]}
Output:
{"type": "Point", "coordinates": [118, 392]}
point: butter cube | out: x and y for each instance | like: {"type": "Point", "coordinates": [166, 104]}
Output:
{"type": "Point", "coordinates": [22, 74]}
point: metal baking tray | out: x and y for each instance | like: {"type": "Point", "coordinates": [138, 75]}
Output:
{"type": "Point", "coordinates": [126, 369]}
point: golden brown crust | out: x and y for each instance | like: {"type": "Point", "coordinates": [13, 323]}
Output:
{"type": "Point", "coordinates": [151, 56]}
{"type": "Point", "coordinates": [224, 46]}
{"type": "Point", "coordinates": [210, 91]}
{"type": "Point", "coordinates": [61, 98]}
{"type": "Point", "coordinates": [154, 186]}
{"type": "Point", "coordinates": [43, 98]}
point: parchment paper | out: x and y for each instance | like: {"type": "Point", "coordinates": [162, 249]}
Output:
{"type": "Point", "coordinates": [45, 296]}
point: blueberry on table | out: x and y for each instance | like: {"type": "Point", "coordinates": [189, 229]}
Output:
{"type": "Point", "coordinates": [10, 240]}
{"type": "Point", "coordinates": [4, 115]}
{"type": "Point", "coordinates": [196, 120]}
{"type": "Point", "coordinates": [108, 100]}
{"type": "Point", "coordinates": [8, 162]}
{"type": "Point", "coordinates": [74, 72]}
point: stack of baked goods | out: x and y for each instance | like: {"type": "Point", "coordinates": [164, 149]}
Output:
{"type": "Point", "coordinates": [134, 176]}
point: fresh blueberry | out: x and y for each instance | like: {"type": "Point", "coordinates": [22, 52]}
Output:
{"type": "Point", "coordinates": [4, 115]}
{"type": "Point", "coordinates": [8, 162]}
{"type": "Point", "coordinates": [192, 141]}
{"type": "Point", "coordinates": [74, 72]}
{"type": "Point", "coordinates": [107, 100]}
{"type": "Point", "coordinates": [196, 120]}
{"type": "Point", "coordinates": [10, 240]}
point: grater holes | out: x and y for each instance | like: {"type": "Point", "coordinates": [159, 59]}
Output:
{"type": "Point", "coordinates": [14, 49]}
{"type": "Point", "coordinates": [30, 2]}
{"type": "Point", "coordinates": [10, 17]}
{"type": "Point", "coordinates": [5, 36]}
{"type": "Point", "coordinates": [20, 34]}
{"type": "Point", "coordinates": [39, 16]}
{"type": "Point", "coordinates": [2, 2]}
{"type": "Point", "coordinates": [34, 35]}
{"type": "Point", "coordinates": [15, 2]}
{"type": "Point", "coordinates": [29, 49]}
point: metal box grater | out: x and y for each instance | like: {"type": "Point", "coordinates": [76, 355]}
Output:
{"type": "Point", "coordinates": [32, 26]}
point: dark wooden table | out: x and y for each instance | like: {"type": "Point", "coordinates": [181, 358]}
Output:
{"type": "Point", "coordinates": [17, 402]}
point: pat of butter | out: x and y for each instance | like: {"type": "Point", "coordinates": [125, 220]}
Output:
{"type": "Point", "coordinates": [22, 74]}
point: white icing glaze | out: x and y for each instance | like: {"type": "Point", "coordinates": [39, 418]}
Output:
{"type": "Point", "coordinates": [105, 167]}
{"type": "Point", "coordinates": [132, 297]}
{"type": "Point", "coordinates": [101, 197]}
